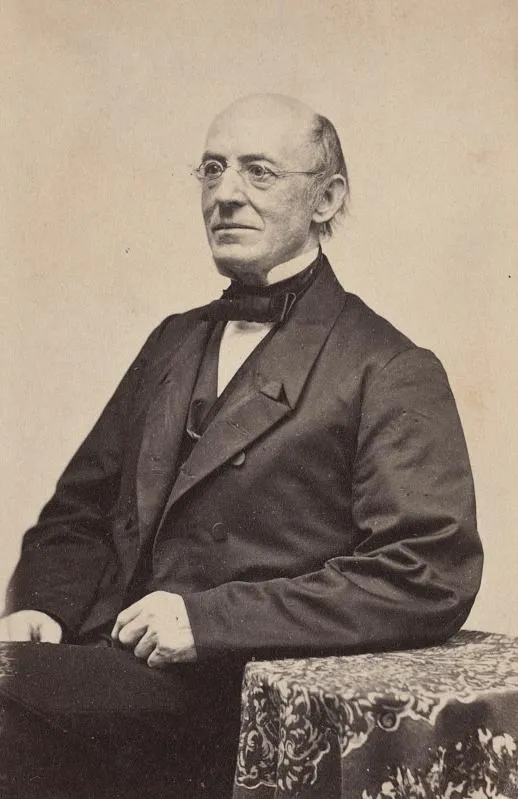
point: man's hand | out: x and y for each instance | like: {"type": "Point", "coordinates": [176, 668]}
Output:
{"type": "Point", "coordinates": [158, 628]}
{"type": "Point", "coordinates": [30, 625]}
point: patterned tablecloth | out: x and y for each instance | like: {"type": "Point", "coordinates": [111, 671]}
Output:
{"type": "Point", "coordinates": [439, 722]}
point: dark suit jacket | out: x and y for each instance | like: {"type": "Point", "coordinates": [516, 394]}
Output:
{"type": "Point", "coordinates": [328, 507]}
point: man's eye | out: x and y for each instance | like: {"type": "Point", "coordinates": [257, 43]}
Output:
{"type": "Point", "coordinates": [212, 169]}
{"type": "Point", "coordinates": [259, 172]}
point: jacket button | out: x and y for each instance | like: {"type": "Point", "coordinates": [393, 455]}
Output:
{"type": "Point", "coordinates": [219, 532]}
{"type": "Point", "coordinates": [238, 459]}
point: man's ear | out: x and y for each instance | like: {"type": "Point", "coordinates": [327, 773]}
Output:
{"type": "Point", "coordinates": [330, 199]}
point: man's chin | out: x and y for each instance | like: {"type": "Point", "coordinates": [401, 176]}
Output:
{"type": "Point", "coordinates": [234, 260]}
{"type": "Point", "coordinates": [243, 271]}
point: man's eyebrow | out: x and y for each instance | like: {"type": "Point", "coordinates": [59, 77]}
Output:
{"type": "Point", "coordinates": [209, 155]}
{"type": "Point", "coordinates": [257, 157]}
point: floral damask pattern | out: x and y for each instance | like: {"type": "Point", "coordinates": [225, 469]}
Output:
{"type": "Point", "coordinates": [482, 766]}
{"type": "Point", "coordinates": [292, 709]}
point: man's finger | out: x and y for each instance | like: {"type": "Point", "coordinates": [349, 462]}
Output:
{"type": "Point", "coordinates": [124, 617]}
{"type": "Point", "coordinates": [145, 646]}
{"type": "Point", "coordinates": [19, 629]}
{"type": "Point", "coordinates": [133, 631]}
{"type": "Point", "coordinates": [5, 630]}
{"type": "Point", "coordinates": [158, 661]}
{"type": "Point", "coordinates": [50, 632]}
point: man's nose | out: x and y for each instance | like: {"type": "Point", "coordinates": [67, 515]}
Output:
{"type": "Point", "coordinates": [230, 188]}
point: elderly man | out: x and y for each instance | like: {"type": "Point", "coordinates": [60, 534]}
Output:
{"type": "Point", "coordinates": [280, 472]}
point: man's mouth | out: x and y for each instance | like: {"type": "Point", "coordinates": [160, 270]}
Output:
{"type": "Point", "coordinates": [231, 226]}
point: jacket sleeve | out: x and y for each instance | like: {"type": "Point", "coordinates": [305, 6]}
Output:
{"type": "Point", "coordinates": [68, 553]}
{"type": "Point", "coordinates": [413, 578]}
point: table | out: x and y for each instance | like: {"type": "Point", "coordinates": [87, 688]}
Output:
{"type": "Point", "coordinates": [433, 723]}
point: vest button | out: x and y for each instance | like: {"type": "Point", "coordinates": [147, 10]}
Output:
{"type": "Point", "coordinates": [239, 459]}
{"type": "Point", "coordinates": [219, 532]}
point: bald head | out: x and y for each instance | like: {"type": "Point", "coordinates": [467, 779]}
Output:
{"type": "Point", "coordinates": [279, 103]}
{"type": "Point", "coordinates": [278, 109]}
{"type": "Point", "coordinates": [269, 191]}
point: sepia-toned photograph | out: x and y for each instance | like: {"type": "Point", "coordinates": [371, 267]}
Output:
{"type": "Point", "coordinates": [258, 343]}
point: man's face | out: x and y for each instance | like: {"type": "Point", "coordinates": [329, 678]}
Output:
{"type": "Point", "coordinates": [253, 228]}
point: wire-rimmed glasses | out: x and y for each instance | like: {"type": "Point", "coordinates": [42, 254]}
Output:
{"type": "Point", "coordinates": [210, 172]}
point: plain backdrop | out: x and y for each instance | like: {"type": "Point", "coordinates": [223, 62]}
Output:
{"type": "Point", "coordinates": [104, 108]}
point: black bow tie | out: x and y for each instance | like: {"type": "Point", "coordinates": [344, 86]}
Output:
{"type": "Point", "coordinates": [253, 307]}
{"type": "Point", "coordinates": [263, 303]}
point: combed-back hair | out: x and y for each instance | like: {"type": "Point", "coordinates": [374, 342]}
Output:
{"type": "Point", "coordinates": [330, 161]}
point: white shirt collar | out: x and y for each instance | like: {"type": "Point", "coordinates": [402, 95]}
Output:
{"type": "Point", "coordinates": [289, 268]}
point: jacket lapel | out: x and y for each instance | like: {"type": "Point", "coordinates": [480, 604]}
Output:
{"type": "Point", "coordinates": [272, 390]}
{"type": "Point", "coordinates": [164, 425]}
